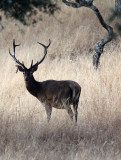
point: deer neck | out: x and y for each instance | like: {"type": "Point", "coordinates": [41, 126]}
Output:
{"type": "Point", "coordinates": [33, 86]}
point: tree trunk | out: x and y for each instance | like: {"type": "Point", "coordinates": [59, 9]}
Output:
{"type": "Point", "coordinates": [118, 5]}
{"type": "Point", "coordinates": [107, 38]}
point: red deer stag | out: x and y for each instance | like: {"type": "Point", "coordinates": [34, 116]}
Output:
{"type": "Point", "coordinates": [51, 93]}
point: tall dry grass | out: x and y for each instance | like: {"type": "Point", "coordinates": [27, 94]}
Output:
{"type": "Point", "coordinates": [24, 131]}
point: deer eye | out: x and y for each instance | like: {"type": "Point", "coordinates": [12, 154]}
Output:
{"type": "Point", "coordinates": [31, 72]}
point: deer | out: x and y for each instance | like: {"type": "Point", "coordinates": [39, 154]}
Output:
{"type": "Point", "coordinates": [51, 93]}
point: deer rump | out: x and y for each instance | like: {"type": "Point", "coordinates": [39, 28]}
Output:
{"type": "Point", "coordinates": [59, 94]}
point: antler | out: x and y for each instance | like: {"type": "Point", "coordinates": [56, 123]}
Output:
{"type": "Point", "coordinates": [13, 55]}
{"type": "Point", "coordinates": [45, 53]}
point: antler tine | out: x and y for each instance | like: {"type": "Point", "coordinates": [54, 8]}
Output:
{"type": "Point", "coordinates": [44, 45]}
{"type": "Point", "coordinates": [14, 46]}
{"type": "Point", "coordinates": [31, 63]}
{"type": "Point", "coordinates": [45, 52]}
{"type": "Point", "coordinates": [13, 55]}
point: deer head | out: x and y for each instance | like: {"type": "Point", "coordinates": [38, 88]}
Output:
{"type": "Point", "coordinates": [28, 72]}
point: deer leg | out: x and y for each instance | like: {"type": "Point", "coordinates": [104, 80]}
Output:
{"type": "Point", "coordinates": [75, 106]}
{"type": "Point", "coordinates": [70, 112]}
{"type": "Point", "coordinates": [48, 112]}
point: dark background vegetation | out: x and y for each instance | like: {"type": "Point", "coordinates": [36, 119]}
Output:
{"type": "Point", "coordinates": [28, 12]}
{"type": "Point", "coordinates": [23, 10]}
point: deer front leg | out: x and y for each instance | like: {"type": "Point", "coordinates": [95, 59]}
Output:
{"type": "Point", "coordinates": [48, 112]}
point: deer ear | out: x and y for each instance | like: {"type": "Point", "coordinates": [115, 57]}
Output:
{"type": "Point", "coordinates": [35, 68]}
{"type": "Point", "coordinates": [20, 68]}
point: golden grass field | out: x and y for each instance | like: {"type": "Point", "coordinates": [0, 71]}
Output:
{"type": "Point", "coordinates": [24, 131]}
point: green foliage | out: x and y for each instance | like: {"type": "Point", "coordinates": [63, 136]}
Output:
{"type": "Point", "coordinates": [23, 10]}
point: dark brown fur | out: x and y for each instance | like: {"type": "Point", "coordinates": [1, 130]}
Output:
{"type": "Point", "coordinates": [51, 93]}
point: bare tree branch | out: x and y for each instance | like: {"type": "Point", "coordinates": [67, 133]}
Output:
{"type": "Point", "coordinates": [74, 5]}
{"type": "Point", "coordinates": [118, 5]}
{"type": "Point", "coordinates": [100, 44]}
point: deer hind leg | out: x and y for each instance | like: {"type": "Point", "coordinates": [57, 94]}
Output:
{"type": "Point", "coordinates": [48, 112]}
{"type": "Point", "coordinates": [70, 112]}
{"type": "Point", "coordinates": [75, 106]}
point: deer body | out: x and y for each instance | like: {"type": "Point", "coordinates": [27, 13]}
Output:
{"type": "Point", "coordinates": [55, 92]}
{"type": "Point", "coordinates": [51, 93]}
